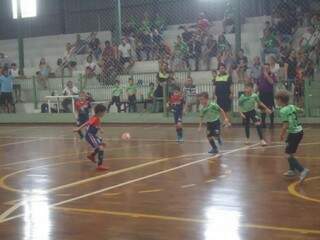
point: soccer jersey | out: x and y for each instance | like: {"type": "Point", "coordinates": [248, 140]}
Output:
{"type": "Point", "coordinates": [210, 113]}
{"type": "Point", "coordinates": [176, 99]}
{"type": "Point", "coordinates": [83, 109]}
{"type": "Point", "coordinates": [93, 125]}
{"type": "Point", "coordinates": [132, 89]}
{"type": "Point", "coordinates": [248, 103]}
{"type": "Point", "coordinates": [288, 114]}
{"type": "Point", "coordinates": [117, 91]}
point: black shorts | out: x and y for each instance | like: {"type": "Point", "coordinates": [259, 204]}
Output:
{"type": "Point", "coordinates": [213, 128]}
{"type": "Point", "coordinates": [224, 102]}
{"type": "Point", "coordinates": [6, 98]}
{"type": "Point", "coordinates": [267, 98]}
{"type": "Point", "coordinates": [293, 141]}
{"type": "Point", "coordinates": [252, 115]}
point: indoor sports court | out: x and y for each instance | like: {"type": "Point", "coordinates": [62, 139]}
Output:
{"type": "Point", "coordinates": [156, 188]}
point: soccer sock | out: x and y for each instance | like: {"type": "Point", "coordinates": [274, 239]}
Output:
{"type": "Point", "coordinates": [212, 142]}
{"type": "Point", "coordinates": [259, 131]}
{"type": "Point", "coordinates": [247, 130]}
{"type": "Point", "coordinates": [179, 132]}
{"type": "Point", "coordinates": [271, 119]}
{"type": "Point", "coordinates": [100, 157]}
{"type": "Point", "coordinates": [95, 152]}
{"type": "Point", "coordinates": [263, 119]}
{"type": "Point", "coordinates": [293, 162]}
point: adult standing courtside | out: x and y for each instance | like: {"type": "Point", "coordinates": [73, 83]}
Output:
{"type": "Point", "coordinates": [223, 89]}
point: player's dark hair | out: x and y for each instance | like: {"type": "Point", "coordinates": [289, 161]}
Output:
{"type": "Point", "coordinates": [100, 108]}
{"type": "Point", "coordinates": [283, 96]}
{"type": "Point", "coordinates": [250, 85]}
{"type": "Point", "coordinates": [204, 95]}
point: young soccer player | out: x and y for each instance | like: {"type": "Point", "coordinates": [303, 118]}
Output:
{"type": "Point", "coordinates": [210, 113]}
{"type": "Point", "coordinates": [176, 105]}
{"type": "Point", "coordinates": [93, 126]}
{"type": "Point", "coordinates": [291, 124]}
{"type": "Point", "coordinates": [247, 103]}
{"type": "Point", "coordinates": [117, 92]}
{"type": "Point", "coordinates": [82, 107]}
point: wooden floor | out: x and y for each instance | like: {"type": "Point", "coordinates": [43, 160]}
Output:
{"type": "Point", "coordinates": [156, 189]}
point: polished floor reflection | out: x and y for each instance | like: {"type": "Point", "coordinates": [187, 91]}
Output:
{"type": "Point", "coordinates": [156, 189]}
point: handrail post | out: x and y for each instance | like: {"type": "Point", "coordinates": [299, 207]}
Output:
{"type": "Point", "coordinates": [34, 91]}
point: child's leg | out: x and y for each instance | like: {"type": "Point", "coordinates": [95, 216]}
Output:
{"type": "Point", "coordinates": [293, 141]}
{"type": "Point", "coordinates": [217, 131]}
{"type": "Point", "coordinates": [271, 119]}
{"type": "Point", "coordinates": [257, 122]}
{"type": "Point", "coordinates": [247, 125]}
{"type": "Point", "coordinates": [118, 104]}
{"type": "Point", "coordinates": [294, 164]}
{"type": "Point", "coordinates": [100, 152]}
{"type": "Point", "coordinates": [210, 136]}
{"type": "Point", "coordinates": [263, 119]}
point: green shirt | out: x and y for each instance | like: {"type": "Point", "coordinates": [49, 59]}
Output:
{"type": "Point", "coordinates": [288, 114]}
{"type": "Point", "coordinates": [248, 103]}
{"type": "Point", "coordinates": [211, 112]}
{"type": "Point", "coordinates": [132, 89]}
{"type": "Point", "coordinates": [117, 91]}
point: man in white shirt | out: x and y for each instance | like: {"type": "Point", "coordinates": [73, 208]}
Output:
{"type": "Point", "coordinates": [70, 90]}
{"type": "Point", "coordinates": [190, 95]}
{"type": "Point", "coordinates": [125, 55]}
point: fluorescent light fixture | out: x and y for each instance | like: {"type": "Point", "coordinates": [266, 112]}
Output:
{"type": "Point", "coordinates": [28, 8]}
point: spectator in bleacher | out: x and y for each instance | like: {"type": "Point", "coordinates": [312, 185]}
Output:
{"type": "Point", "coordinates": [146, 40]}
{"type": "Point", "coordinates": [255, 70]}
{"type": "Point", "coordinates": [4, 60]}
{"type": "Point", "coordinates": [6, 88]}
{"type": "Point", "coordinates": [90, 69]}
{"type": "Point", "coordinates": [80, 46]}
{"type": "Point", "coordinates": [268, 26]}
{"type": "Point", "coordinates": [163, 73]}
{"type": "Point", "coordinates": [309, 39]}
{"type": "Point", "coordinates": [203, 24]}
{"type": "Point", "coordinates": [187, 36]}
{"type": "Point", "coordinates": [117, 92]}
{"type": "Point", "coordinates": [242, 66]}
{"type": "Point", "coordinates": [60, 69]}
{"type": "Point", "coordinates": [223, 88]}
{"type": "Point", "coordinates": [125, 56]}
{"type": "Point", "coordinates": [196, 50]}
{"type": "Point", "coordinates": [285, 28]}
{"type": "Point", "coordinates": [290, 70]}
{"type": "Point", "coordinates": [211, 51]}
{"type": "Point", "coordinates": [146, 24]}
{"type": "Point", "coordinates": [315, 21]}
{"type": "Point", "coordinates": [223, 44]}
{"type": "Point", "coordinates": [159, 23]}
{"type": "Point", "coordinates": [150, 96]}
{"type": "Point", "coordinates": [94, 45]}
{"type": "Point", "coordinates": [269, 44]}
{"type": "Point", "coordinates": [69, 59]}
{"type": "Point", "coordinates": [158, 98]}
{"type": "Point", "coordinates": [190, 95]}
{"type": "Point", "coordinates": [70, 90]}
{"type": "Point", "coordinates": [266, 84]}
{"type": "Point", "coordinates": [181, 53]}
{"type": "Point", "coordinates": [157, 40]}
{"type": "Point", "coordinates": [14, 72]}
{"type": "Point", "coordinates": [274, 66]}
{"type": "Point", "coordinates": [172, 83]}
{"type": "Point", "coordinates": [228, 60]}
{"type": "Point", "coordinates": [164, 53]}
{"type": "Point", "coordinates": [132, 96]}
{"type": "Point", "coordinates": [228, 20]}
{"type": "Point", "coordinates": [43, 73]}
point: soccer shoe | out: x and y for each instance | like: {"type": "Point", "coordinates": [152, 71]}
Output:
{"type": "Point", "coordinates": [180, 140]}
{"type": "Point", "coordinates": [304, 174]}
{"type": "Point", "coordinates": [289, 173]}
{"type": "Point", "coordinates": [214, 151]}
{"type": "Point", "coordinates": [263, 143]}
{"type": "Point", "coordinates": [91, 157]}
{"type": "Point", "coordinates": [102, 168]}
{"type": "Point", "coordinates": [247, 142]}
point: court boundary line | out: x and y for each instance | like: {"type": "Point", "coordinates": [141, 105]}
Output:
{"type": "Point", "coordinates": [136, 180]}
{"type": "Point", "coordinates": [21, 142]}
{"type": "Point", "coordinates": [292, 189]}
{"type": "Point", "coordinates": [182, 219]}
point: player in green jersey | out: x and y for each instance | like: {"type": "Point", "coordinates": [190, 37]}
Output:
{"type": "Point", "coordinates": [292, 126]}
{"type": "Point", "coordinates": [247, 104]}
{"type": "Point", "coordinates": [210, 113]}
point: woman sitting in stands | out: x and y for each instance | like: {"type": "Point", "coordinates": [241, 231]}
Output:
{"type": "Point", "coordinates": [43, 73]}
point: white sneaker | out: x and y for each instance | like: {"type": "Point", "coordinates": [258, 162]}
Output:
{"type": "Point", "coordinates": [263, 143]}
{"type": "Point", "coordinates": [247, 142]}
{"type": "Point", "coordinates": [304, 174]}
{"type": "Point", "coordinates": [289, 173]}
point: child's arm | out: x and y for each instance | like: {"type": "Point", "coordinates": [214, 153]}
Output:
{"type": "Point", "coordinates": [225, 118]}
{"type": "Point", "coordinates": [283, 131]}
{"type": "Point", "coordinates": [242, 115]}
{"type": "Point", "coordinates": [79, 128]}
{"type": "Point", "coordinates": [267, 110]}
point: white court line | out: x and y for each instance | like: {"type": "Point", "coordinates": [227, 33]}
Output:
{"type": "Point", "coordinates": [22, 142]}
{"type": "Point", "coordinates": [7, 213]}
{"type": "Point", "coordinates": [136, 180]}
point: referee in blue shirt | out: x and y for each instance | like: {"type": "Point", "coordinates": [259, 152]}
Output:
{"type": "Point", "coordinates": [6, 83]}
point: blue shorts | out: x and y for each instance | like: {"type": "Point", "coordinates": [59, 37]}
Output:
{"type": "Point", "coordinates": [94, 141]}
{"type": "Point", "coordinates": [82, 119]}
{"type": "Point", "coordinates": [177, 113]}
{"type": "Point", "coordinates": [213, 129]}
